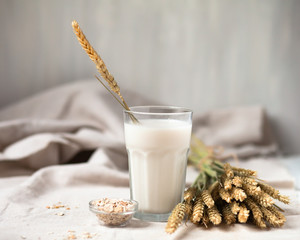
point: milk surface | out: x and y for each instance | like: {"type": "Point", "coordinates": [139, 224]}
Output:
{"type": "Point", "coordinates": [157, 153]}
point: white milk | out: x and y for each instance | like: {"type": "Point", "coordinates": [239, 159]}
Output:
{"type": "Point", "coordinates": [157, 151]}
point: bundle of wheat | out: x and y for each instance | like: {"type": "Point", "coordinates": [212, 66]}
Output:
{"type": "Point", "coordinates": [222, 193]}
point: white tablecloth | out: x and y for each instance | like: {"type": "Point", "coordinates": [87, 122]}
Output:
{"type": "Point", "coordinates": [24, 200]}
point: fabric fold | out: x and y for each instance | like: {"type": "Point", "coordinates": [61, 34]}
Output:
{"type": "Point", "coordinates": [53, 126]}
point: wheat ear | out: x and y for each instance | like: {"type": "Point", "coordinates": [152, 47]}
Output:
{"type": "Point", "coordinates": [101, 67]}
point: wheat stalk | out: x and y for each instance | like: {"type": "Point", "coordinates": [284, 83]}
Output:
{"type": "Point", "coordinates": [101, 67]}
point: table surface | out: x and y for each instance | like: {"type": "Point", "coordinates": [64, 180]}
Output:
{"type": "Point", "coordinates": [24, 217]}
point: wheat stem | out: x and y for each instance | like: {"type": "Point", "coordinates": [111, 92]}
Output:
{"type": "Point", "coordinates": [110, 91]}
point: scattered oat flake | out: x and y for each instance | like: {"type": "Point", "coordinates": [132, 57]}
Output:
{"type": "Point", "coordinates": [87, 235]}
{"type": "Point", "coordinates": [57, 206]}
{"type": "Point", "coordinates": [72, 236]}
{"type": "Point", "coordinates": [23, 237]}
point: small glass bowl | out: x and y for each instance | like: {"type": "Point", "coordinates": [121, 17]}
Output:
{"type": "Point", "coordinates": [111, 218]}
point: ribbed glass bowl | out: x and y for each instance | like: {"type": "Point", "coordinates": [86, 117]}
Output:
{"type": "Point", "coordinates": [113, 218]}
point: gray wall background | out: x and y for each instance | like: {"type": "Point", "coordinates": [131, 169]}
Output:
{"type": "Point", "coordinates": [195, 53]}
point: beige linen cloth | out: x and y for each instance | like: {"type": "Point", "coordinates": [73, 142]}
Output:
{"type": "Point", "coordinates": [41, 135]}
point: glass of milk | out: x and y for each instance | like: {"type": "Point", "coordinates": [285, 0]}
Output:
{"type": "Point", "coordinates": [157, 146]}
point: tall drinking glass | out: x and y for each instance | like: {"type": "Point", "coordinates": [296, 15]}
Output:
{"type": "Point", "coordinates": [157, 144]}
